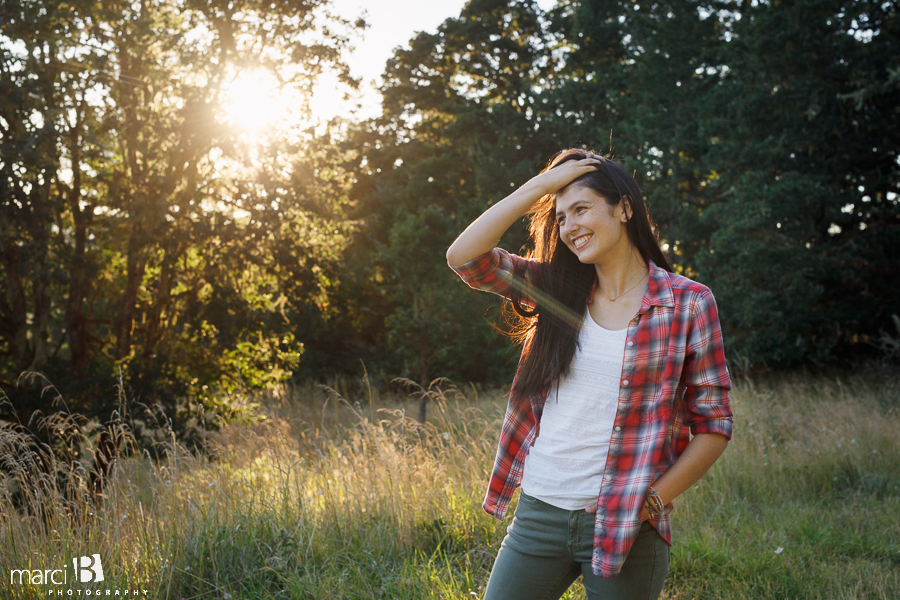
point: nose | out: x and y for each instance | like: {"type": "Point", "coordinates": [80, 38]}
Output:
{"type": "Point", "coordinates": [568, 228]}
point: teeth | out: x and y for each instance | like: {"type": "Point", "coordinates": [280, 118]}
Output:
{"type": "Point", "coordinates": [581, 241]}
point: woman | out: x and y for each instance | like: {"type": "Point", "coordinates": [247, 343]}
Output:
{"type": "Point", "coordinates": [622, 363]}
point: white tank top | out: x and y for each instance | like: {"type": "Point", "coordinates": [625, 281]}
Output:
{"type": "Point", "coordinates": [564, 466]}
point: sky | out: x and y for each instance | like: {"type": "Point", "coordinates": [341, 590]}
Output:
{"type": "Point", "coordinates": [391, 23]}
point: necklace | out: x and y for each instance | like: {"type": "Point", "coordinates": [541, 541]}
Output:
{"type": "Point", "coordinates": [623, 293]}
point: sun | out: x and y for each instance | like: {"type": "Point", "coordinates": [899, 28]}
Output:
{"type": "Point", "coordinates": [255, 102]}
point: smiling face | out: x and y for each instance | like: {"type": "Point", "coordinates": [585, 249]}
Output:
{"type": "Point", "coordinates": [589, 226]}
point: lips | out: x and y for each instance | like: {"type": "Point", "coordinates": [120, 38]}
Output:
{"type": "Point", "coordinates": [581, 240]}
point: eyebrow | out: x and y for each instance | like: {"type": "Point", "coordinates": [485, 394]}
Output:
{"type": "Point", "coordinates": [560, 213]}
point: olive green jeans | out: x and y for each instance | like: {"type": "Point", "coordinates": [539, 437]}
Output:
{"type": "Point", "coordinates": [546, 548]}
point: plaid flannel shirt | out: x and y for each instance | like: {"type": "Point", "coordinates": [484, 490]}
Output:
{"type": "Point", "coordinates": [674, 383]}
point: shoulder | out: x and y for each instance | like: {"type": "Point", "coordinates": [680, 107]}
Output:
{"type": "Point", "coordinates": [682, 284]}
{"type": "Point", "coordinates": [689, 294]}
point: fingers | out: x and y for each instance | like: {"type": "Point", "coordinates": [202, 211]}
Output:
{"type": "Point", "coordinates": [586, 163]}
{"type": "Point", "coordinates": [592, 160]}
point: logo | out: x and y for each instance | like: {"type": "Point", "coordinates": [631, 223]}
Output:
{"type": "Point", "coordinates": [90, 570]}
{"type": "Point", "coordinates": [87, 570]}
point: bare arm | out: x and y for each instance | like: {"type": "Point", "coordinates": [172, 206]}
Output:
{"type": "Point", "coordinates": [485, 232]}
{"type": "Point", "coordinates": [702, 451]}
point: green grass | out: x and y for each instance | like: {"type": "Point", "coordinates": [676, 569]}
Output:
{"type": "Point", "coordinates": [331, 499]}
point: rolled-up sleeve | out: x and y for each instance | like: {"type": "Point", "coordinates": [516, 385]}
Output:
{"type": "Point", "coordinates": [494, 272]}
{"type": "Point", "coordinates": [705, 375]}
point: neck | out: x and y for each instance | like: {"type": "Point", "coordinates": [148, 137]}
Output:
{"type": "Point", "coordinates": [620, 271]}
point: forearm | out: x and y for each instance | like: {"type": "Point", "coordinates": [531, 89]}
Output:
{"type": "Point", "coordinates": [485, 232]}
{"type": "Point", "coordinates": [702, 451]}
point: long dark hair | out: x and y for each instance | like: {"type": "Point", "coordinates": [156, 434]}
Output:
{"type": "Point", "coordinates": [549, 332]}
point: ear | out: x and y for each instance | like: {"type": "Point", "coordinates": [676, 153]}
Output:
{"type": "Point", "coordinates": [626, 212]}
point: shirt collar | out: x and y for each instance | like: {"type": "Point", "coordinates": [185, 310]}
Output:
{"type": "Point", "coordinates": [659, 289]}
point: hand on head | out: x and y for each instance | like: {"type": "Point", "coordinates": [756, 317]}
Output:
{"type": "Point", "coordinates": [556, 178]}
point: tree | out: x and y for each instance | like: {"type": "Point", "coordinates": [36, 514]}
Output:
{"type": "Point", "coordinates": [808, 115]}
{"type": "Point", "coordinates": [458, 131]}
{"type": "Point", "coordinates": [156, 235]}
{"type": "Point", "coordinates": [762, 135]}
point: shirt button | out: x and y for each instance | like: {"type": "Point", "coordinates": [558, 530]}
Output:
{"type": "Point", "coordinates": [625, 382]}
{"type": "Point", "coordinates": [617, 428]}
{"type": "Point", "coordinates": [630, 343]}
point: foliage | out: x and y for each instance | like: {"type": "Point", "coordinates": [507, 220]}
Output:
{"type": "Point", "coordinates": [141, 228]}
{"type": "Point", "coordinates": [763, 136]}
{"type": "Point", "coordinates": [456, 135]}
{"type": "Point", "coordinates": [809, 218]}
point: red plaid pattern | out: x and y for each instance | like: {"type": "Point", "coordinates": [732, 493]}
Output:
{"type": "Point", "coordinates": [674, 383]}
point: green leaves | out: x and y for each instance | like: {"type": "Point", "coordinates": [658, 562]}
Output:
{"type": "Point", "coordinates": [142, 225]}
{"type": "Point", "coordinates": [146, 229]}
{"type": "Point", "coordinates": [761, 135]}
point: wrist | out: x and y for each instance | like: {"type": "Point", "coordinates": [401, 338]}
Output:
{"type": "Point", "coordinates": [653, 503]}
{"type": "Point", "coordinates": [664, 487]}
{"type": "Point", "coordinates": [537, 186]}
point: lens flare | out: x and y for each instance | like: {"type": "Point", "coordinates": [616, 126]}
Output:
{"type": "Point", "coordinates": [255, 102]}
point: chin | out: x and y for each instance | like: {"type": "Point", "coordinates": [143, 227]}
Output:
{"type": "Point", "coordinates": [577, 255]}
{"type": "Point", "coordinates": [586, 259]}
{"type": "Point", "coordinates": [590, 258]}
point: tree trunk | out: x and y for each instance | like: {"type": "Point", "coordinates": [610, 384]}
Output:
{"type": "Point", "coordinates": [76, 328]}
{"type": "Point", "coordinates": [17, 319]}
{"type": "Point", "coordinates": [135, 265]}
{"type": "Point", "coordinates": [155, 329]}
{"type": "Point", "coordinates": [40, 325]}
{"type": "Point", "coordinates": [140, 201]}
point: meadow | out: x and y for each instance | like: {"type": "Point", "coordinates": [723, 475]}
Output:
{"type": "Point", "coordinates": [337, 493]}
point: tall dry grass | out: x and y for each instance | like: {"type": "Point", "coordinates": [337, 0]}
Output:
{"type": "Point", "coordinates": [335, 497]}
